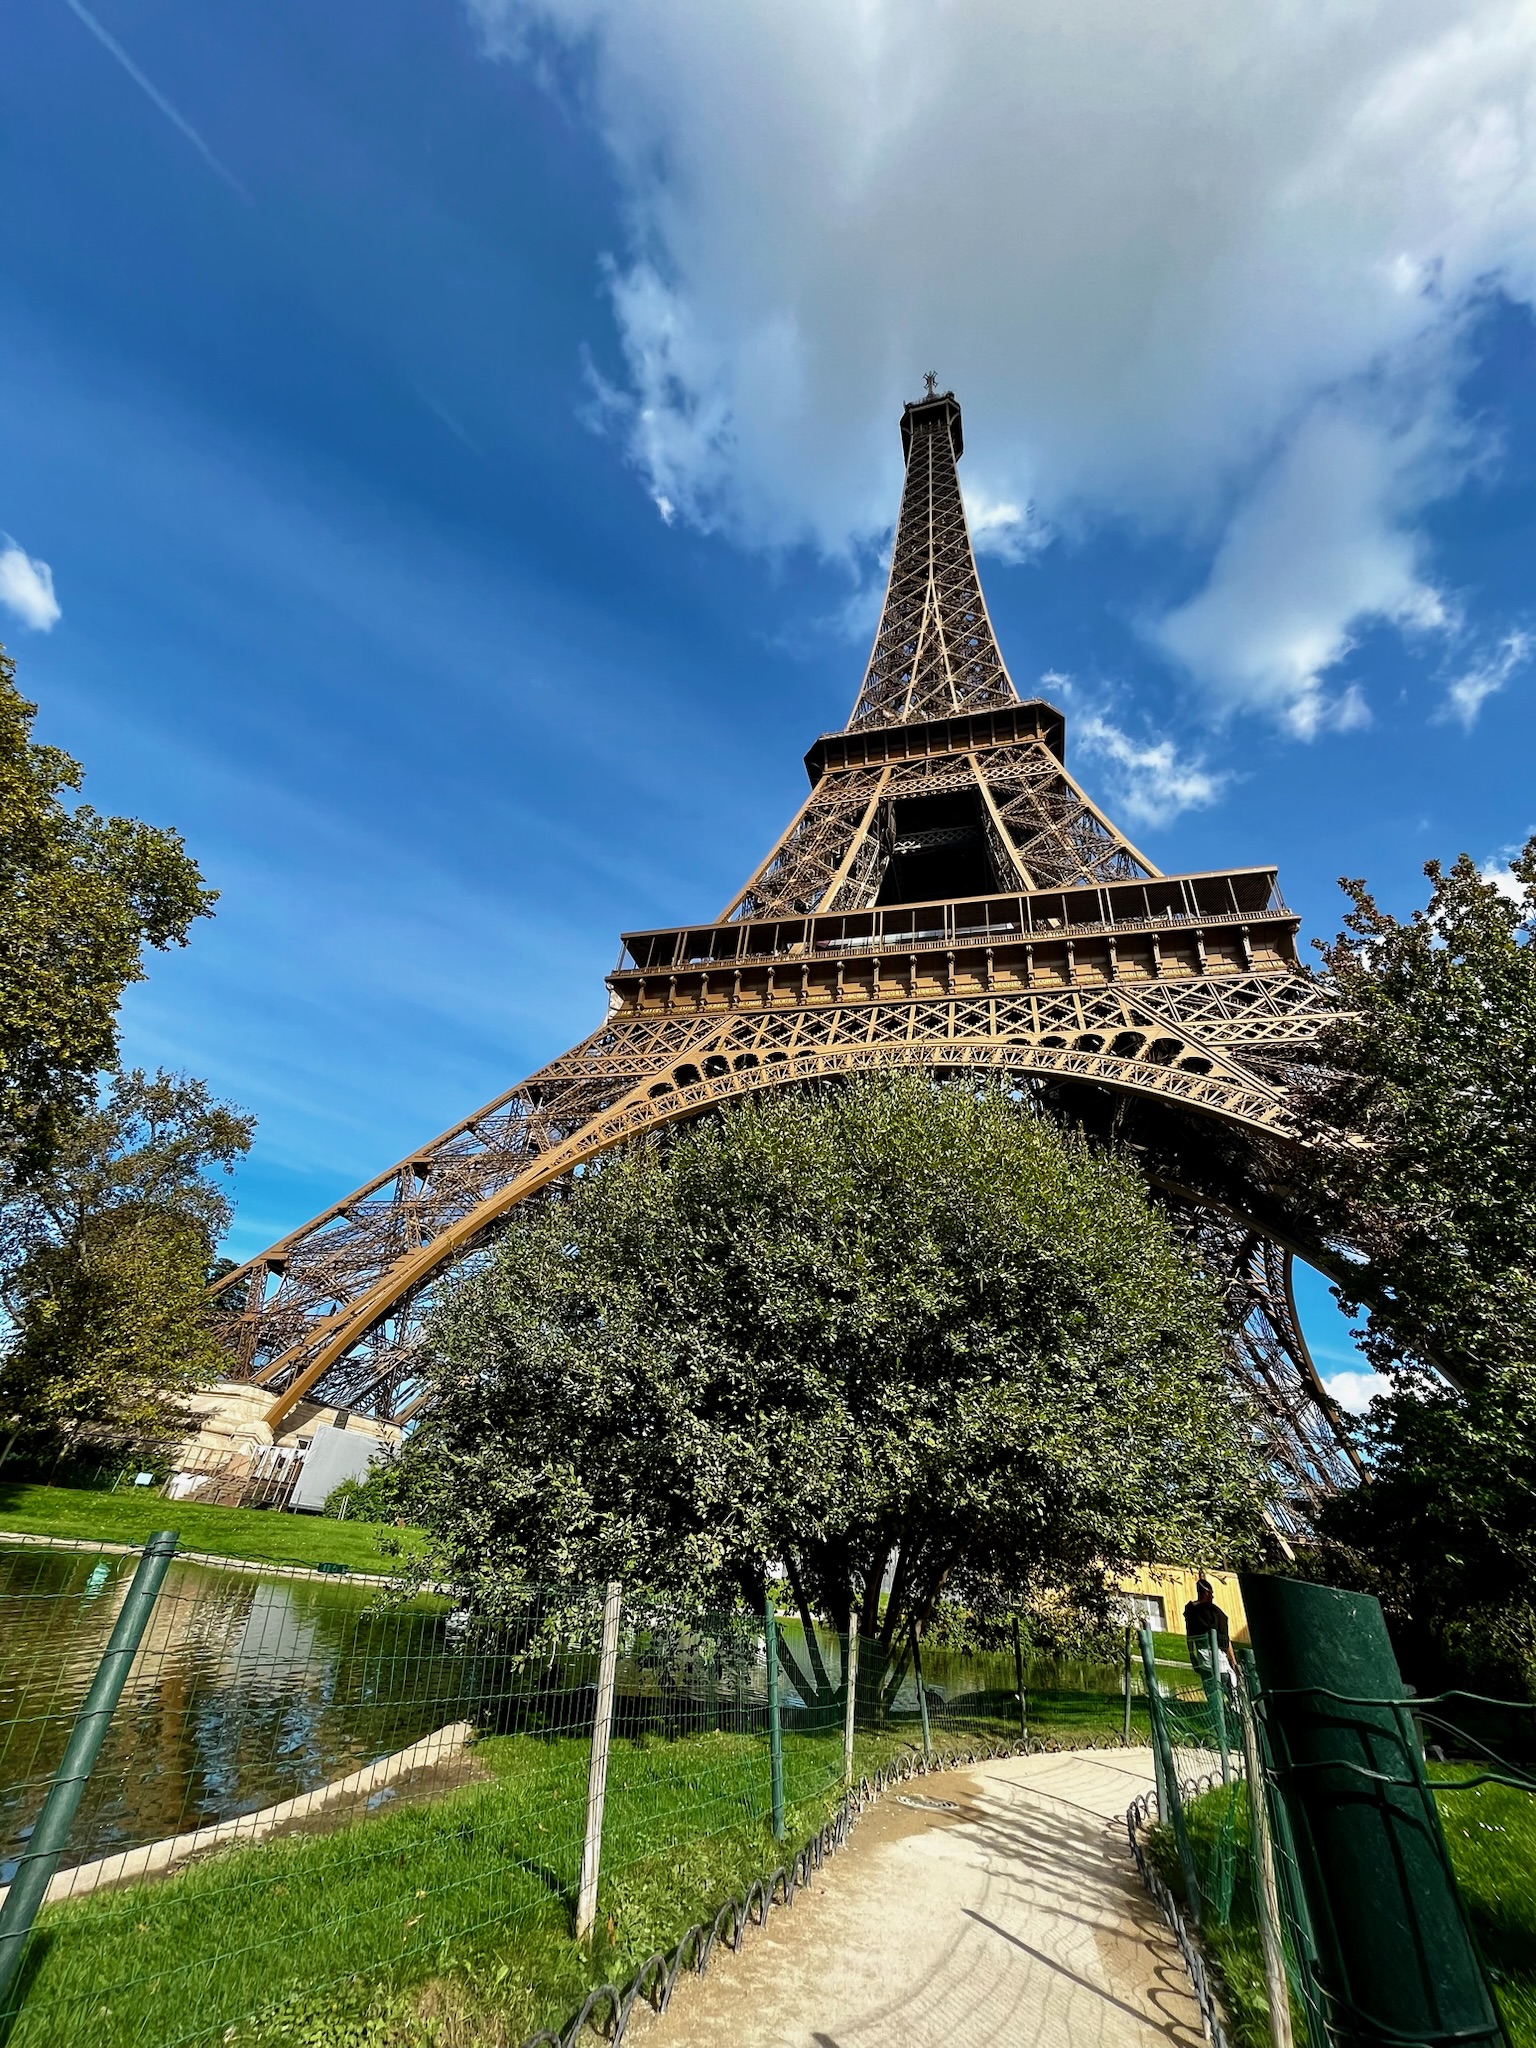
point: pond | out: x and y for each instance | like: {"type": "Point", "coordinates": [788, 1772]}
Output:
{"type": "Point", "coordinates": [247, 1691]}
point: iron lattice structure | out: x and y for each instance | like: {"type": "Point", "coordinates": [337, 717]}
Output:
{"type": "Point", "coordinates": [946, 898]}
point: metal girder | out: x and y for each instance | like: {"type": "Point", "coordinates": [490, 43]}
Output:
{"type": "Point", "coordinates": [1081, 968]}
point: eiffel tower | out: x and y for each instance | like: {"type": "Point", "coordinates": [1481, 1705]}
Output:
{"type": "Point", "coordinates": [947, 897]}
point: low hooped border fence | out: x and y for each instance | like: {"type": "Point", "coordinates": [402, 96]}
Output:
{"type": "Point", "coordinates": [1204, 1974]}
{"type": "Point", "coordinates": [607, 2008]}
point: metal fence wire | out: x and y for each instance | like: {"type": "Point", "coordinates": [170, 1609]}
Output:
{"type": "Point", "coordinates": [1218, 1844]}
{"type": "Point", "coordinates": [1205, 1844]}
{"type": "Point", "coordinates": [315, 1801]}
{"type": "Point", "coordinates": [1461, 1768]}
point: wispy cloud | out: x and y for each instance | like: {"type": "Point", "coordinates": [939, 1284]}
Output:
{"type": "Point", "coordinates": [1322, 547]}
{"type": "Point", "coordinates": [152, 92]}
{"type": "Point", "coordinates": [26, 588]}
{"type": "Point", "coordinates": [1471, 690]}
{"type": "Point", "coordinates": [1271, 375]}
{"type": "Point", "coordinates": [1150, 780]}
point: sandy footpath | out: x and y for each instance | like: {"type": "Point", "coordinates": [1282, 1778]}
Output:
{"type": "Point", "coordinates": [1012, 1914]}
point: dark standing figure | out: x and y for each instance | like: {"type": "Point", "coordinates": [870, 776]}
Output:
{"type": "Point", "coordinates": [1201, 1616]}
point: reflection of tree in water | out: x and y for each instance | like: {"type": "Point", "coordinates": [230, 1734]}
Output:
{"type": "Point", "coordinates": [246, 1691]}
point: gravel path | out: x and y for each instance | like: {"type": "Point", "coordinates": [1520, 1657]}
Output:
{"type": "Point", "coordinates": [1012, 1915]}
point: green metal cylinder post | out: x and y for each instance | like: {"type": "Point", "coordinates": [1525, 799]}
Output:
{"type": "Point", "coordinates": [29, 1887]}
{"type": "Point", "coordinates": [1215, 1698]}
{"type": "Point", "coordinates": [1149, 1663]}
{"type": "Point", "coordinates": [1125, 1683]}
{"type": "Point", "coordinates": [775, 1729]}
{"type": "Point", "coordinates": [922, 1694]}
{"type": "Point", "coordinates": [1395, 1956]}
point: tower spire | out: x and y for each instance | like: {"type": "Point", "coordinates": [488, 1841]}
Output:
{"type": "Point", "coordinates": [935, 652]}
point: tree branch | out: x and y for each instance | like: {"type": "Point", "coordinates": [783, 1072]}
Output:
{"type": "Point", "coordinates": [824, 1687]}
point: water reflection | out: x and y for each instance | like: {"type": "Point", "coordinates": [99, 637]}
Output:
{"type": "Point", "coordinates": [246, 1691]}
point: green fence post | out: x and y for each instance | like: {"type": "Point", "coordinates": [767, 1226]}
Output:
{"type": "Point", "coordinates": [1266, 1889]}
{"type": "Point", "coordinates": [851, 1684]}
{"type": "Point", "coordinates": [1170, 1801]}
{"type": "Point", "coordinates": [1395, 1958]}
{"type": "Point", "coordinates": [29, 1887]}
{"type": "Point", "coordinates": [1018, 1672]}
{"type": "Point", "coordinates": [1125, 1684]}
{"type": "Point", "coordinates": [775, 1731]}
{"type": "Point", "coordinates": [1149, 1663]}
{"type": "Point", "coordinates": [922, 1694]}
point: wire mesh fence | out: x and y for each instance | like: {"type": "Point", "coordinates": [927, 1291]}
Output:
{"type": "Point", "coordinates": [1218, 1840]}
{"type": "Point", "coordinates": [1459, 1769]}
{"type": "Point", "coordinates": [317, 1802]}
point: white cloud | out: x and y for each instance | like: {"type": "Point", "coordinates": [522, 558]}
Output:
{"type": "Point", "coordinates": [1504, 879]}
{"type": "Point", "coordinates": [26, 588]}
{"type": "Point", "coordinates": [1468, 693]}
{"type": "Point", "coordinates": [1002, 527]}
{"type": "Point", "coordinates": [1148, 780]}
{"type": "Point", "coordinates": [1355, 1390]}
{"type": "Point", "coordinates": [1320, 547]}
{"type": "Point", "coordinates": [1193, 265]}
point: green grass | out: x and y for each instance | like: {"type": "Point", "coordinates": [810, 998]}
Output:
{"type": "Point", "coordinates": [1076, 1719]}
{"type": "Point", "coordinates": [1234, 1945]}
{"type": "Point", "coordinates": [1490, 1832]}
{"type": "Point", "coordinates": [259, 1534]}
{"type": "Point", "coordinates": [1169, 1646]}
{"type": "Point", "coordinates": [447, 1922]}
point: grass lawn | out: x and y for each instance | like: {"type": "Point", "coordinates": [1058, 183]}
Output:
{"type": "Point", "coordinates": [1076, 1719]}
{"type": "Point", "coordinates": [1490, 1832]}
{"type": "Point", "coordinates": [448, 1923]}
{"type": "Point", "coordinates": [130, 1516]}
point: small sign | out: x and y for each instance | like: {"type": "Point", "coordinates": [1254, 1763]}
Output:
{"type": "Point", "coordinates": [143, 1478]}
{"type": "Point", "coordinates": [343, 1569]}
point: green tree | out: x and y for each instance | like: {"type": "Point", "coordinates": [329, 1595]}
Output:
{"type": "Point", "coordinates": [1444, 1532]}
{"type": "Point", "coordinates": [105, 1263]}
{"type": "Point", "coordinates": [891, 1326]}
{"type": "Point", "coordinates": [81, 896]}
{"type": "Point", "coordinates": [1420, 1112]}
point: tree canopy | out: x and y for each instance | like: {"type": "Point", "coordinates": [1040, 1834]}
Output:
{"type": "Point", "coordinates": [104, 1263]}
{"type": "Point", "coordinates": [1444, 1531]}
{"type": "Point", "coordinates": [1421, 1118]}
{"type": "Point", "coordinates": [81, 897]}
{"type": "Point", "coordinates": [891, 1327]}
{"type": "Point", "coordinates": [1420, 1113]}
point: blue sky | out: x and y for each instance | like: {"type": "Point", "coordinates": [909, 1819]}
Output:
{"type": "Point", "coordinates": [446, 454]}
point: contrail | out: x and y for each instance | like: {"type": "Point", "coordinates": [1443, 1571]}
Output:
{"type": "Point", "coordinates": [114, 47]}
